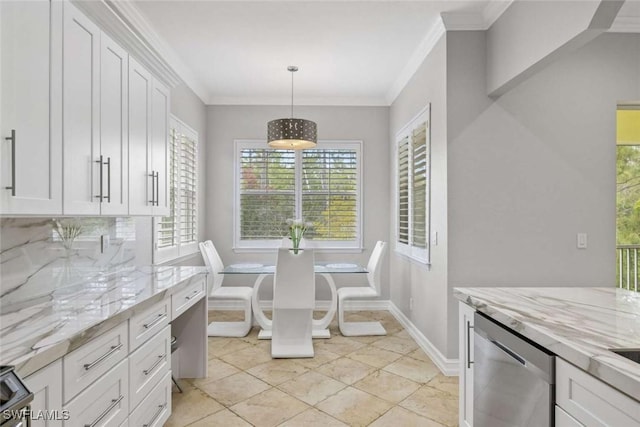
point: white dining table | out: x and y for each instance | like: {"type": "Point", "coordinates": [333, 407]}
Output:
{"type": "Point", "coordinates": [324, 269]}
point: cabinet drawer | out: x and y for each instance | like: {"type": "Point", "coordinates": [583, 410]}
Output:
{"type": "Point", "coordinates": [83, 366]}
{"type": "Point", "coordinates": [155, 409]}
{"type": "Point", "coordinates": [184, 299]}
{"type": "Point", "coordinates": [147, 323]}
{"type": "Point", "coordinates": [104, 403]}
{"type": "Point", "coordinates": [46, 386]}
{"type": "Point", "coordinates": [591, 401]}
{"type": "Point", "coordinates": [565, 420]}
{"type": "Point", "coordinates": [148, 364]}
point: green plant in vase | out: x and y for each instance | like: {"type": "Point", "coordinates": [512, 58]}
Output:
{"type": "Point", "coordinates": [297, 228]}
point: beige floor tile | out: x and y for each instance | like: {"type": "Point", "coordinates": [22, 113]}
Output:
{"type": "Point", "coordinates": [419, 354]}
{"type": "Point", "coordinates": [354, 407]}
{"type": "Point", "coordinates": [433, 404]}
{"type": "Point", "coordinates": [397, 417]}
{"type": "Point", "coordinates": [397, 344]}
{"type": "Point", "coordinates": [368, 339]}
{"type": "Point", "coordinates": [221, 346]}
{"type": "Point", "coordinates": [338, 344]}
{"type": "Point", "coordinates": [277, 371]}
{"type": "Point", "coordinates": [226, 315]}
{"type": "Point", "coordinates": [387, 386]}
{"type": "Point", "coordinates": [415, 370]}
{"type": "Point", "coordinates": [313, 418]}
{"type": "Point", "coordinates": [269, 408]}
{"type": "Point", "coordinates": [320, 357]}
{"type": "Point", "coordinates": [374, 356]}
{"type": "Point", "coordinates": [403, 334]}
{"type": "Point", "coordinates": [446, 384]}
{"type": "Point", "coordinates": [235, 388]}
{"type": "Point", "coordinates": [346, 370]}
{"type": "Point", "coordinates": [216, 369]}
{"type": "Point", "coordinates": [224, 418]}
{"type": "Point", "coordinates": [311, 387]}
{"type": "Point", "coordinates": [190, 406]}
{"type": "Point", "coordinates": [248, 357]}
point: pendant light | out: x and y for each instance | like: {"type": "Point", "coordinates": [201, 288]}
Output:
{"type": "Point", "coordinates": [292, 134]}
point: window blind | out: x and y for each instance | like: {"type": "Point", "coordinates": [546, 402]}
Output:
{"type": "Point", "coordinates": [168, 226]}
{"type": "Point", "coordinates": [419, 186]}
{"type": "Point", "coordinates": [330, 193]}
{"type": "Point", "coordinates": [403, 190]}
{"type": "Point", "coordinates": [188, 195]}
{"type": "Point", "coordinates": [267, 192]}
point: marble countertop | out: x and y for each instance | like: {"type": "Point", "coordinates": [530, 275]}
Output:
{"type": "Point", "coordinates": [579, 325]}
{"type": "Point", "coordinates": [37, 330]}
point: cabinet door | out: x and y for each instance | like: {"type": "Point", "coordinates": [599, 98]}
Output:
{"type": "Point", "coordinates": [160, 146]}
{"type": "Point", "coordinates": [30, 107]}
{"type": "Point", "coordinates": [465, 349]}
{"type": "Point", "coordinates": [141, 181]}
{"type": "Point", "coordinates": [81, 106]}
{"type": "Point", "coordinates": [46, 385]}
{"type": "Point", "coordinates": [113, 128]}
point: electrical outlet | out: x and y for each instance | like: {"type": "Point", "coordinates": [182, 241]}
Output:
{"type": "Point", "coordinates": [410, 303]}
{"type": "Point", "coordinates": [104, 243]}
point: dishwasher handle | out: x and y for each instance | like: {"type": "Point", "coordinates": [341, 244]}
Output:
{"type": "Point", "coordinates": [526, 353]}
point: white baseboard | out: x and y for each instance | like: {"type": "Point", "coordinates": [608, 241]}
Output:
{"type": "Point", "coordinates": [448, 367]}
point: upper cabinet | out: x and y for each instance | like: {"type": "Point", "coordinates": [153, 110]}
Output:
{"type": "Point", "coordinates": [148, 143]}
{"type": "Point", "coordinates": [95, 115]}
{"type": "Point", "coordinates": [30, 108]}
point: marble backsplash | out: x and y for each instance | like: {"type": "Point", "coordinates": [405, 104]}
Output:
{"type": "Point", "coordinates": [35, 257]}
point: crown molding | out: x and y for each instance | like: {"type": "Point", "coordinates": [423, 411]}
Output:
{"type": "Point", "coordinates": [127, 26]}
{"type": "Point", "coordinates": [493, 10]}
{"type": "Point", "coordinates": [455, 21]}
{"type": "Point", "coordinates": [303, 101]}
{"type": "Point", "coordinates": [417, 58]}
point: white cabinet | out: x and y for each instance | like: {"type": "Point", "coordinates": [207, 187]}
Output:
{"type": "Point", "coordinates": [591, 402]}
{"type": "Point", "coordinates": [148, 143]}
{"type": "Point", "coordinates": [30, 108]}
{"type": "Point", "coordinates": [46, 386]}
{"type": "Point", "coordinates": [465, 349]}
{"type": "Point", "coordinates": [95, 141]}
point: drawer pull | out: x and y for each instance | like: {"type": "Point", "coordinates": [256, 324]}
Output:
{"type": "Point", "coordinates": [148, 371]}
{"type": "Point", "coordinates": [114, 348]}
{"type": "Point", "coordinates": [159, 319]}
{"type": "Point", "coordinates": [196, 292]}
{"type": "Point", "coordinates": [156, 415]}
{"type": "Point", "coordinates": [114, 403]}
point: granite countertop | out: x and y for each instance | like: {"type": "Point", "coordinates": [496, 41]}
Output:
{"type": "Point", "coordinates": [579, 325]}
{"type": "Point", "coordinates": [37, 330]}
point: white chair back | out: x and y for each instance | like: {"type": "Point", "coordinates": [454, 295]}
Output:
{"type": "Point", "coordinates": [375, 265]}
{"type": "Point", "coordinates": [214, 264]}
{"type": "Point", "coordinates": [294, 281]}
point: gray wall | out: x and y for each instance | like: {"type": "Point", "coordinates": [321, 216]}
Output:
{"type": "Point", "coordinates": [186, 106]}
{"type": "Point", "coordinates": [427, 286]}
{"type": "Point", "coordinates": [228, 123]}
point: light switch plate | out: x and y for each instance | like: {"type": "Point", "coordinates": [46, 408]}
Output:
{"type": "Point", "coordinates": [581, 241]}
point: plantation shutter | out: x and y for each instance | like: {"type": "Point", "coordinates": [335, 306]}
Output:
{"type": "Point", "coordinates": [403, 190]}
{"type": "Point", "coordinates": [330, 193]}
{"type": "Point", "coordinates": [168, 225]}
{"type": "Point", "coordinates": [188, 194]}
{"type": "Point", "coordinates": [267, 192]}
{"type": "Point", "coordinates": [419, 186]}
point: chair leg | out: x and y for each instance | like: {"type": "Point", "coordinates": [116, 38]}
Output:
{"type": "Point", "coordinates": [176, 383]}
{"type": "Point", "coordinates": [233, 329]}
{"type": "Point", "coordinates": [354, 329]}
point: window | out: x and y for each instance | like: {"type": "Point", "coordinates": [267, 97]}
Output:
{"type": "Point", "coordinates": [320, 185]}
{"type": "Point", "coordinates": [176, 235]}
{"type": "Point", "coordinates": [413, 188]}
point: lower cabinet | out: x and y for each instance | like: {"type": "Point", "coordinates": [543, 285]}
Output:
{"type": "Point", "coordinates": [591, 402]}
{"type": "Point", "coordinates": [104, 403]}
{"type": "Point", "coordinates": [155, 409]}
{"type": "Point", "coordinates": [565, 420]}
{"type": "Point", "coordinates": [46, 386]}
{"type": "Point", "coordinates": [465, 349]}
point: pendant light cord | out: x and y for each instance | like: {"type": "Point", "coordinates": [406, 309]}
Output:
{"type": "Point", "coordinates": [292, 93]}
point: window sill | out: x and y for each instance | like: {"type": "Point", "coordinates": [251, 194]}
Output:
{"type": "Point", "coordinates": [175, 260]}
{"type": "Point", "coordinates": [261, 250]}
{"type": "Point", "coordinates": [413, 260]}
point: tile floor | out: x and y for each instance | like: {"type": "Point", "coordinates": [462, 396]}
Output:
{"type": "Point", "coordinates": [356, 381]}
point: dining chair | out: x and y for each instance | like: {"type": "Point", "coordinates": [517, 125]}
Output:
{"type": "Point", "coordinates": [293, 303]}
{"type": "Point", "coordinates": [373, 290]}
{"type": "Point", "coordinates": [217, 291]}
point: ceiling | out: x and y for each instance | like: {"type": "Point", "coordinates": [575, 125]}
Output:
{"type": "Point", "coordinates": [349, 52]}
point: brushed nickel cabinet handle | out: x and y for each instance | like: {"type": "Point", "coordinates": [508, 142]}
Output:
{"type": "Point", "coordinates": [114, 403]}
{"type": "Point", "coordinates": [100, 196]}
{"type": "Point", "coordinates": [156, 415]}
{"type": "Point", "coordinates": [114, 348]}
{"type": "Point", "coordinates": [157, 362]}
{"type": "Point", "coordinates": [12, 138]}
{"type": "Point", "coordinates": [158, 319]}
{"type": "Point", "coordinates": [108, 179]}
{"type": "Point", "coordinates": [469, 361]}
{"type": "Point", "coordinates": [157, 188]}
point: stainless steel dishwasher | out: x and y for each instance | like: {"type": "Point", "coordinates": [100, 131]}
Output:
{"type": "Point", "coordinates": [513, 379]}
